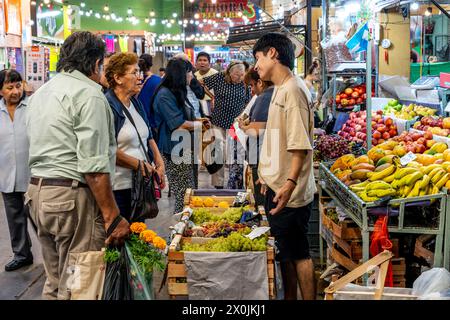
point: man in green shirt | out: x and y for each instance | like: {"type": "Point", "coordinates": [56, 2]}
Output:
{"type": "Point", "coordinates": [72, 161]}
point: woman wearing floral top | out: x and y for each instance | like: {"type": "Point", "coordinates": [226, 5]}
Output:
{"type": "Point", "coordinates": [231, 95]}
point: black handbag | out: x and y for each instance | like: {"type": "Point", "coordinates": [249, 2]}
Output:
{"type": "Point", "coordinates": [143, 194]}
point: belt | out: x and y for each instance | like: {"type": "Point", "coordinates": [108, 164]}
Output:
{"type": "Point", "coordinates": [57, 182]}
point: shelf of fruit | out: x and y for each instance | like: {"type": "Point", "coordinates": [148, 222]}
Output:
{"type": "Point", "coordinates": [379, 173]}
{"type": "Point", "coordinates": [354, 129]}
{"type": "Point", "coordinates": [409, 113]}
{"type": "Point", "coordinates": [439, 126]}
{"type": "Point", "coordinates": [351, 97]}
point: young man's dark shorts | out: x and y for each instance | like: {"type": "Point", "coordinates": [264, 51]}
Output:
{"type": "Point", "coordinates": [289, 227]}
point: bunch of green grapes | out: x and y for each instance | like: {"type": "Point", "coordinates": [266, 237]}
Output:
{"type": "Point", "coordinates": [202, 215]}
{"type": "Point", "coordinates": [235, 242]}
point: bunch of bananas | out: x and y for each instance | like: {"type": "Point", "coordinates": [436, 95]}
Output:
{"type": "Point", "coordinates": [390, 179]}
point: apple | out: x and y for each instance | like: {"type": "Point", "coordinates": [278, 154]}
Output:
{"type": "Point", "coordinates": [382, 128]}
{"type": "Point", "coordinates": [380, 112]}
{"type": "Point", "coordinates": [355, 94]}
{"type": "Point", "coordinates": [376, 135]}
{"type": "Point", "coordinates": [428, 135]}
{"type": "Point", "coordinates": [348, 91]}
{"type": "Point", "coordinates": [392, 133]}
{"type": "Point", "coordinates": [388, 122]}
{"type": "Point", "coordinates": [374, 142]}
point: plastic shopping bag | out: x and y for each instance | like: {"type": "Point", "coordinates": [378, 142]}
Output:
{"type": "Point", "coordinates": [380, 242]}
{"type": "Point", "coordinates": [432, 282]}
{"type": "Point", "coordinates": [118, 279]}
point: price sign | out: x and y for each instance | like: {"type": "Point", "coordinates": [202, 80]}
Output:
{"type": "Point", "coordinates": [257, 232]}
{"type": "Point", "coordinates": [407, 158]}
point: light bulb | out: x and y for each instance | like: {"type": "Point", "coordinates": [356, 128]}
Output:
{"type": "Point", "coordinates": [106, 8]}
{"type": "Point", "coordinates": [169, 25]}
{"type": "Point", "coordinates": [33, 3]}
{"type": "Point", "coordinates": [174, 15]}
{"type": "Point", "coordinates": [82, 4]}
{"type": "Point", "coordinates": [429, 11]}
{"type": "Point", "coordinates": [147, 20]}
{"type": "Point", "coordinates": [197, 16]}
{"type": "Point", "coordinates": [414, 6]}
{"type": "Point", "coordinates": [152, 13]}
{"type": "Point", "coordinates": [46, 1]}
{"type": "Point", "coordinates": [129, 11]}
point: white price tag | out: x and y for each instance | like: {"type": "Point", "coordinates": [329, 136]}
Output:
{"type": "Point", "coordinates": [257, 232]}
{"type": "Point", "coordinates": [407, 158]}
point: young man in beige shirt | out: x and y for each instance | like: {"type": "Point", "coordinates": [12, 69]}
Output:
{"type": "Point", "coordinates": [286, 163]}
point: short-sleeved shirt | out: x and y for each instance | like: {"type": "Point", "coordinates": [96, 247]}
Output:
{"type": "Point", "coordinates": [14, 171]}
{"type": "Point", "coordinates": [229, 102]}
{"type": "Point", "coordinates": [70, 128]}
{"type": "Point", "coordinates": [146, 95]}
{"type": "Point", "coordinates": [168, 116]}
{"type": "Point", "coordinates": [290, 126]}
{"type": "Point", "coordinates": [258, 113]}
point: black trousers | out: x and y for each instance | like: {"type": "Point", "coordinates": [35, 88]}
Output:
{"type": "Point", "coordinates": [17, 217]}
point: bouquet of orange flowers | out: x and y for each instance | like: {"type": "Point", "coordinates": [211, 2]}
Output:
{"type": "Point", "coordinates": [143, 253]}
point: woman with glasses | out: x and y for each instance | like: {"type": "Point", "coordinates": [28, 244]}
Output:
{"type": "Point", "coordinates": [125, 80]}
{"type": "Point", "coordinates": [231, 95]}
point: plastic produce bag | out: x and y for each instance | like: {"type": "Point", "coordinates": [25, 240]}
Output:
{"type": "Point", "coordinates": [125, 280]}
{"type": "Point", "coordinates": [118, 279]}
{"type": "Point", "coordinates": [335, 50]}
{"type": "Point", "coordinates": [379, 242]}
{"type": "Point", "coordinates": [433, 284]}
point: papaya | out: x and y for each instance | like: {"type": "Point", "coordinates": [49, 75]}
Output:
{"type": "Point", "coordinates": [361, 159]}
{"type": "Point", "coordinates": [363, 166]}
{"type": "Point", "coordinates": [425, 159]}
{"type": "Point", "coordinates": [388, 145]}
{"type": "Point", "coordinates": [439, 147]}
{"type": "Point", "coordinates": [376, 154]}
{"type": "Point", "coordinates": [386, 159]}
{"type": "Point", "coordinates": [446, 154]}
{"type": "Point", "coordinates": [360, 174]}
{"type": "Point", "coordinates": [343, 162]}
{"type": "Point", "coordinates": [399, 151]}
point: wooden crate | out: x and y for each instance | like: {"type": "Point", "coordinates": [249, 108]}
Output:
{"type": "Point", "coordinates": [339, 257]}
{"type": "Point", "coordinates": [352, 248]}
{"type": "Point", "coordinates": [345, 230]}
{"type": "Point", "coordinates": [218, 196]}
{"type": "Point", "coordinates": [177, 284]}
{"type": "Point", "coordinates": [421, 252]}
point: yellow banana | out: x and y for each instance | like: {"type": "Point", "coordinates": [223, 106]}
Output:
{"type": "Point", "coordinates": [404, 171]}
{"type": "Point", "coordinates": [382, 167]}
{"type": "Point", "coordinates": [356, 190]}
{"type": "Point", "coordinates": [434, 172]}
{"type": "Point", "coordinates": [383, 174]}
{"type": "Point", "coordinates": [389, 179]}
{"type": "Point", "coordinates": [434, 190]}
{"type": "Point", "coordinates": [431, 167]}
{"type": "Point", "coordinates": [442, 181]}
{"type": "Point", "coordinates": [406, 190]}
{"type": "Point", "coordinates": [415, 190]}
{"type": "Point", "coordinates": [438, 176]}
{"type": "Point", "coordinates": [381, 193]}
{"type": "Point", "coordinates": [425, 181]}
{"type": "Point", "coordinates": [378, 185]}
{"type": "Point", "coordinates": [395, 183]}
{"type": "Point", "coordinates": [366, 198]}
{"type": "Point", "coordinates": [410, 179]}
{"type": "Point", "coordinates": [424, 191]}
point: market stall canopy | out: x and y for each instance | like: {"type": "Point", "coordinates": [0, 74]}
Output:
{"type": "Point", "coordinates": [246, 36]}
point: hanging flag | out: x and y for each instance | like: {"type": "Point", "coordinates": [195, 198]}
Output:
{"type": "Point", "coordinates": [359, 41]}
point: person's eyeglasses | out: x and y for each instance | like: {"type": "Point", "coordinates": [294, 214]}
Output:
{"type": "Point", "coordinates": [137, 74]}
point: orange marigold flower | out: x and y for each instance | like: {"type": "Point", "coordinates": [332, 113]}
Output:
{"type": "Point", "coordinates": [148, 235]}
{"type": "Point", "coordinates": [138, 227]}
{"type": "Point", "coordinates": [159, 243]}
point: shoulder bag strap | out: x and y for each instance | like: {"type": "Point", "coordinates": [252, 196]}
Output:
{"type": "Point", "coordinates": [128, 114]}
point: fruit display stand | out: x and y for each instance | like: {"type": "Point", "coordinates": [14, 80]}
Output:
{"type": "Point", "coordinates": [177, 281]}
{"type": "Point", "coordinates": [223, 195]}
{"type": "Point", "coordinates": [360, 212]}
